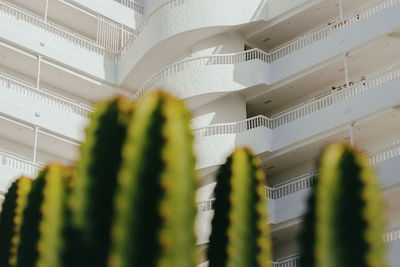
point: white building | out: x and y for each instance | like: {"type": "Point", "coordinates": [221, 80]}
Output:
{"type": "Point", "coordinates": [284, 77]}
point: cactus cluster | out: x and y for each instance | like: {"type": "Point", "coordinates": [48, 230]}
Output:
{"type": "Point", "coordinates": [130, 201]}
{"type": "Point", "coordinates": [344, 225]}
{"type": "Point", "coordinates": [240, 234]}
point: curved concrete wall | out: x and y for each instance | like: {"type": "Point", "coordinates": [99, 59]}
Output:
{"type": "Point", "coordinates": [191, 18]}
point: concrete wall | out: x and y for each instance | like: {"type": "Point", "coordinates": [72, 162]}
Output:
{"type": "Point", "coordinates": [230, 108]}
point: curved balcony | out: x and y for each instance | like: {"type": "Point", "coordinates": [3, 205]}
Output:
{"type": "Point", "coordinates": [44, 97]}
{"type": "Point", "coordinates": [178, 24]}
{"type": "Point", "coordinates": [166, 78]}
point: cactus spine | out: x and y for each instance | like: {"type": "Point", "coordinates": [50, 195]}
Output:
{"type": "Point", "coordinates": [344, 226]}
{"type": "Point", "coordinates": [240, 234]}
{"type": "Point", "coordinates": [155, 208]}
{"type": "Point", "coordinates": [11, 219]}
{"type": "Point", "coordinates": [97, 169]}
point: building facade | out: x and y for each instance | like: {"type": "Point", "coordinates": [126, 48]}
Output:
{"type": "Point", "coordinates": [284, 77]}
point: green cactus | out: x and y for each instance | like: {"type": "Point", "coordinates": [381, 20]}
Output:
{"type": "Point", "coordinates": [155, 207]}
{"type": "Point", "coordinates": [11, 219]}
{"type": "Point", "coordinates": [43, 225]}
{"type": "Point", "coordinates": [240, 233]}
{"type": "Point", "coordinates": [344, 225]}
{"type": "Point", "coordinates": [51, 245]}
{"type": "Point", "coordinates": [29, 232]}
{"type": "Point", "coordinates": [97, 169]}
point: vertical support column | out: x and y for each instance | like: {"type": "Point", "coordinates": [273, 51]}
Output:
{"type": "Point", "coordinates": [35, 141]}
{"type": "Point", "coordinates": [340, 5]}
{"type": "Point", "coordinates": [346, 70]}
{"type": "Point", "coordinates": [39, 63]}
{"type": "Point", "coordinates": [98, 32]}
{"type": "Point", "coordinates": [46, 9]}
{"type": "Point", "coordinates": [122, 37]}
{"type": "Point", "coordinates": [351, 134]}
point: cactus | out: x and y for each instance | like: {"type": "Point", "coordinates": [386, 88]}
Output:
{"type": "Point", "coordinates": [240, 234]}
{"type": "Point", "coordinates": [155, 207]}
{"type": "Point", "coordinates": [11, 219]}
{"type": "Point", "coordinates": [43, 225]}
{"type": "Point", "coordinates": [29, 232]}
{"type": "Point", "coordinates": [51, 246]}
{"type": "Point", "coordinates": [97, 169]}
{"type": "Point", "coordinates": [344, 225]}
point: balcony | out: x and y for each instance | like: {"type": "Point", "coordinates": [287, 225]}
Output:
{"type": "Point", "coordinates": [265, 134]}
{"type": "Point", "coordinates": [173, 75]}
{"type": "Point", "coordinates": [27, 105]}
{"type": "Point", "coordinates": [102, 46]}
{"type": "Point", "coordinates": [44, 97]}
{"type": "Point", "coordinates": [113, 41]}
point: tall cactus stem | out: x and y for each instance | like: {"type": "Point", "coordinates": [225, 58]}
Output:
{"type": "Point", "coordinates": [344, 225]}
{"type": "Point", "coordinates": [155, 208]}
{"type": "Point", "coordinates": [11, 220]}
{"type": "Point", "coordinates": [240, 233]}
{"type": "Point", "coordinates": [97, 169]}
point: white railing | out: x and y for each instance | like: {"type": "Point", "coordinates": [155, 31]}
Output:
{"type": "Point", "coordinates": [223, 59]}
{"type": "Point", "coordinates": [338, 24]}
{"type": "Point", "coordinates": [304, 109]}
{"type": "Point", "coordinates": [168, 5]}
{"type": "Point", "coordinates": [45, 97]}
{"type": "Point", "coordinates": [290, 261]}
{"type": "Point", "coordinates": [132, 5]}
{"type": "Point", "coordinates": [16, 162]}
{"type": "Point", "coordinates": [386, 153]}
{"type": "Point", "coordinates": [114, 45]}
{"type": "Point", "coordinates": [108, 47]}
{"type": "Point", "coordinates": [293, 185]}
{"type": "Point", "coordinates": [256, 54]}
{"type": "Point", "coordinates": [392, 235]}
{"type": "Point", "coordinates": [234, 127]}
{"type": "Point", "coordinates": [206, 205]}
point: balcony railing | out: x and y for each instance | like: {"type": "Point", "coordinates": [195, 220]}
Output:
{"type": "Point", "coordinates": [290, 261]}
{"type": "Point", "coordinates": [109, 33]}
{"type": "Point", "coordinates": [256, 54]}
{"type": "Point", "coordinates": [12, 161]}
{"type": "Point", "coordinates": [304, 109]}
{"type": "Point", "coordinates": [113, 41]}
{"type": "Point", "coordinates": [168, 5]}
{"type": "Point", "coordinates": [293, 185]}
{"type": "Point", "coordinates": [392, 235]}
{"type": "Point", "coordinates": [132, 5]}
{"type": "Point", "coordinates": [45, 97]}
{"type": "Point", "coordinates": [307, 180]}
